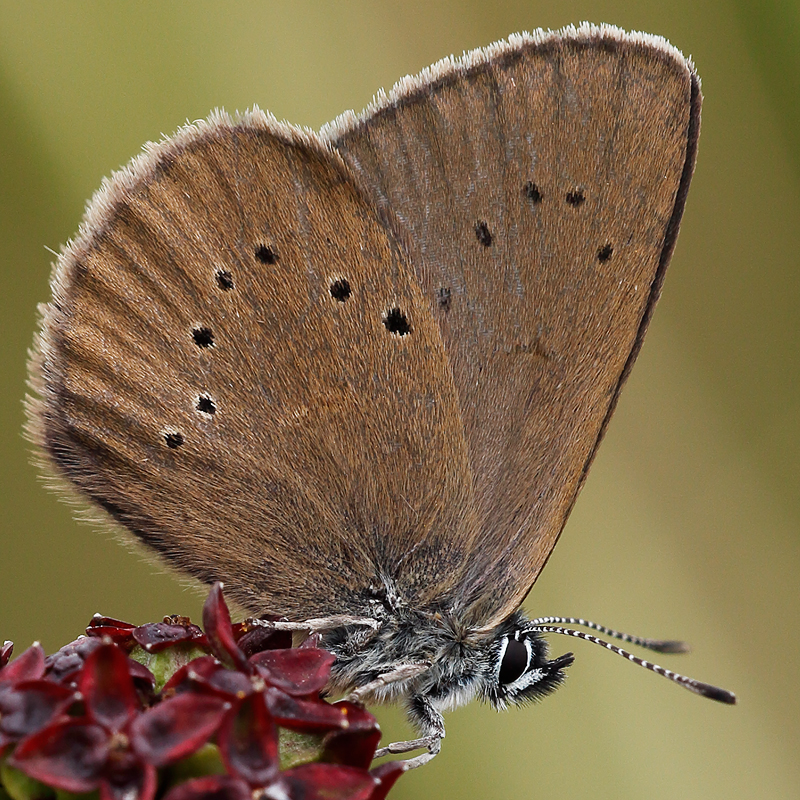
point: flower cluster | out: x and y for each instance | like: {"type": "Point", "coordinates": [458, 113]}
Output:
{"type": "Point", "coordinates": [231, 713]}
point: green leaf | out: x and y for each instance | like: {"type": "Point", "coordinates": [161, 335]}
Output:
{"type": "Point", "coordinates": [21, 787]}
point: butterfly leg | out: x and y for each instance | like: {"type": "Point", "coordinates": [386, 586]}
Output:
{"type": "Point", "coordinates": [400, 673]}
{"type": "Point", "coordinates": [321, 625]}
{"type": "Point", "coordinates": [424, 714]}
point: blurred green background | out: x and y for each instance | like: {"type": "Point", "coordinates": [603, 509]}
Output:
{"type": "Point", "coordinates": [688, 525]}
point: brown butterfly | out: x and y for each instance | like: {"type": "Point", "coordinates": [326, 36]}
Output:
{"type": "Point", "coordinates": [360, 376]}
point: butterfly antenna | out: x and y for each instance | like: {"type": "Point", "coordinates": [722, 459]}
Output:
{"type": "Point", "coordinates": [704, 689]}
{"type": "Point", "coordinates": [658, 645]}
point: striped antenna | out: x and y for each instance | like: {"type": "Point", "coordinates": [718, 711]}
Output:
{"type": "Point", "coordinates": [659, 645]}
{"type": "Point", "coordinates": [543, 625]}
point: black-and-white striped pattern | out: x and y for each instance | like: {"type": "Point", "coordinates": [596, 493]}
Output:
{"type": "Point", "coordinates": [659, 645]}
{"type": "Point", "coordinates": [704, 689]}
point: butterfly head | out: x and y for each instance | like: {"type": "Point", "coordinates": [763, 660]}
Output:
{"type": "Point", "coordinates": [518, 670]}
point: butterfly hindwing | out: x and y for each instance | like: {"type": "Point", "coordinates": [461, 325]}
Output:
{"type": "Point", "coordinates": [540, 182]}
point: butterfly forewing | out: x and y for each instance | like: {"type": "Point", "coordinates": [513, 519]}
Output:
{"type": "Point", "coordinates": [540, 183]}
{"type": "Point", "coordinates": [238, 364]}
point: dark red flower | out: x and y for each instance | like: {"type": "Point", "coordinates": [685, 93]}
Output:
{"type": "Point", "coordinates": [311, 715]}
{"type": "Point", "coordinates": [157, 636]}
{"type": "Point", "coordinates": [5, 653]}
{"type": "Point", "coordinates": [114, 746]}
{"type": "Point", "coordinates": [299, 671]}
{"type": "Point", "coordinates": [355, 743]}
{"type": "Point", "coordinates": [211, 787]}
{"type": "Point", "coordinates": [176, 728]}
{"type": "Point", "coordinates": [152, 637]}
{"type": "Point", "coordinates": [90, 716]}
{"type": "Point", "coordinates": [27, 667]}
{"type": "Point", "coordinates": [248, 742]}
{"type": "Point", "coordinates": [328, 782]}
{"type": "Point", "coordinates": [27, 702]}
{"type": "Point", "coordinates": [307, 782]}
{"type": "Point", "coordinates": [386, 775]}
{"type": "Point", "coordinates": [65, 665]}
{"type": "Point", "coordinates": [28, 706]}
{"type": "Point", "coordinates": [219, 631]}
{"type": "Point", "coordinates": [253, 639]}
{"type": "Point", "coordinates": [121, 633]}
{"type": "Point", "coordinates": [289, 679]}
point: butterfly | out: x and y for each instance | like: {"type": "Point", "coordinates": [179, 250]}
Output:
{"type": "Point", "coordinates": [360, 375]}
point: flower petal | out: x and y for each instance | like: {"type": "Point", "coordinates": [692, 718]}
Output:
{"type": "Point", "coordinates": [299, 671]}
{"type": "Point", "coordinates": [248, 742]}
{"type": "Point", "coordinates": [217, 624]}
{"type": "Point", "coordinates": [196, 671]}
{"type": "Point", "coordinates": [128, 778]}
{"type": "Point", "coordinates": [386, 775]}
{"type": "Point", "coordinates": [177, 727]}
{"type": "Point", "coordinates": [121, 633]}
{"type": "Point", "coordinates": [157, 636]}
{"type": "Point", "coordinates": [100, 621]}
{"type": "Point", "coordinates": [63, 666]}
{"type": "Point", "coordinates": [68, 755]}
{"type": "Point", "coordinates": [206, 675]}
{"type": "Point", "coordinates": [212, 787]}
{"type": "Point", "coordinates": [328, 782]}
{"type": "Point", "coordinates": [303, 714]}
{"type": "Point", "coordinates": [28, 666]}
{"type": "Point", "coordinates": [30, 705]}
{"type": "Point", "coordinates": [255, 638]}
{"type": "Point", "coordinates": [355, 744]}
{"type": "Point", "coordinates": [142, 677]}
{"type": "Point", "coordinates": [107, 687]}
{"type": "Point", "coordinates": [5, 652]}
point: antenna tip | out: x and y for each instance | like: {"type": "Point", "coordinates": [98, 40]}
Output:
{"type": "Point", "coordinates": [720, 695]}
{"type": "Point", "coordinates": [668, 646]}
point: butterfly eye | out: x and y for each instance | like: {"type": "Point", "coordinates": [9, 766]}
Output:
{"type": "Point", "coordinates": [515, 661]}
